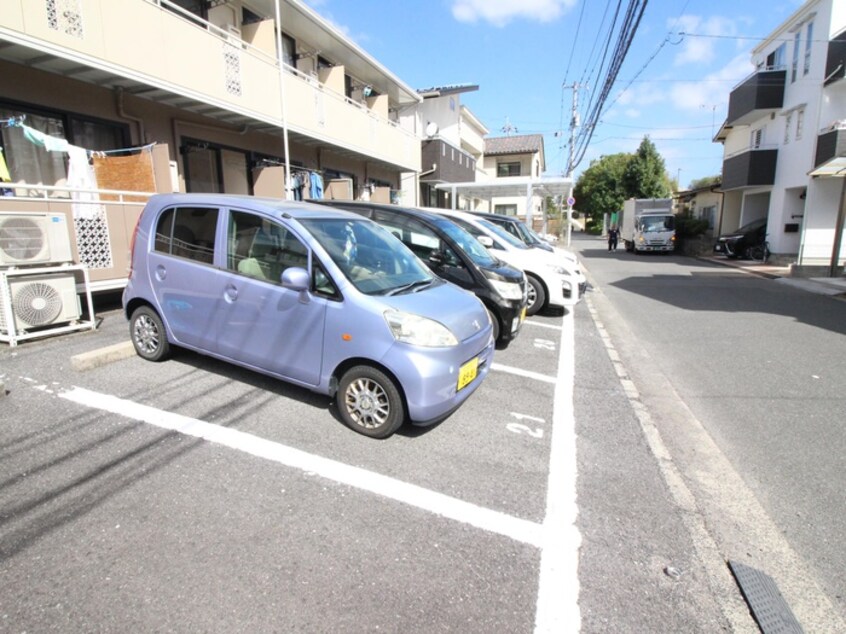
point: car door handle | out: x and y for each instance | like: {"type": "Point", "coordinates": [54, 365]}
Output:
{"type": "Point", "coordinates": [230, 294]}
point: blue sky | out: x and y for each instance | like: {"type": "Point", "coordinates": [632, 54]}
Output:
{"type": "Point", "coordinates": [686, 57]}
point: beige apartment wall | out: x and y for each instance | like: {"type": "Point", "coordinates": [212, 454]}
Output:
{"type": "Point", "coordinates": [168, 127]}
{"type": "Point", "coordinates": [142, 39]}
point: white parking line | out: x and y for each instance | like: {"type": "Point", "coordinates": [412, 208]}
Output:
{"type": "Point", "coordinates": [559, 539]}
{"type": "Point", "coordinates": [526, 373]}
{"type": "Point", "coordinates": [558, 586]}
{"type": "Point", "coordinates": [541, 325]}
{"type": "Point", "coordinates": [410, 494]}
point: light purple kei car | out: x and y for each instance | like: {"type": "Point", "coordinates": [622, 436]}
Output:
{"type": "Point", "coordinates": [315, 296]}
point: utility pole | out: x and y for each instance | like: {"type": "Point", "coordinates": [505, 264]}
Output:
{"type": "Point", "coordinates": [574, 123]}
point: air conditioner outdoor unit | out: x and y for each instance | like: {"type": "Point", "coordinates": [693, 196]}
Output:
{"type": "Point", "coordinates": [39, 300]}
{"type": "Point", "coordinates": [34, 239]}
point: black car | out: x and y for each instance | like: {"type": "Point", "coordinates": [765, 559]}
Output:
{"type": "Point", "coordinates": [741, 242]}
{"type": "Point", "coordinates": [456, 256]}
{"type": "Point", "coordinates": [516, 228]}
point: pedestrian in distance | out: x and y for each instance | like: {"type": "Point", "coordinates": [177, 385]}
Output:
{"type": "Point", "coordinates": [613, 234]}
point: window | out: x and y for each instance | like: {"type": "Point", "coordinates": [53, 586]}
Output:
{"type": "Point", "coordinates": [508, 169]}
{"type": "Point", "coordinates": [800, 122]}
{"type": "Point", "coordinates": [211, 168]}
{"type": "Point", "coordinates": [775, 60]}
{"type": "Point", "coordinates": [31, 163]}
{"type": "Point", "coordinates": [788, 120]}
{"type": "Point", "coordinates": [755, 140]}
{"type": "Point", "coordinates": [809, 33]}
{"type": "Point", "coordinates": [795, 66]}
{"type": "Point", "coordinates": [187, 232]}
{"type": "Point", "coordinates": [261, 248]}
{"type": "Point", "coordinates": [289, 50]}
{"type": "Point", "coordinates": [506, 210]}
{"type": "Point", "coordinates": [709, 214]}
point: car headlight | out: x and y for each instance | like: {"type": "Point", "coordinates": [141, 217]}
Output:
{"type": "Point", "coordinates": [507, 289]}
{"type": "Point", "coordinates": [559, 269]}
{"type": "Point", "coordinates": [419, 331]}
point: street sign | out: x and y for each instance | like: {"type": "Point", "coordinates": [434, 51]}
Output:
{"type": "Point", "coordinates": [571, 201]}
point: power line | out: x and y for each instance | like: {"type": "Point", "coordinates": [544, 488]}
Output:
{"type": "Point", "coordinates": [640, 127]}
{"type": "Point", "coordinates": [628, 28]}
{"type": "Point", "coordinates": [742, 37]}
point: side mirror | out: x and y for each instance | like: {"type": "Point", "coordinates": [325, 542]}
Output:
{"type": "Point", "coordinates": [436, 259]}
{"type": "Point", "coordinates": [295, 278]}
{"type": "Point", "coordinates": [486, 241]}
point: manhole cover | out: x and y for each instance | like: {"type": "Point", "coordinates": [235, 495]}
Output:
{"type": "Point", "coordinates": [769, 608]}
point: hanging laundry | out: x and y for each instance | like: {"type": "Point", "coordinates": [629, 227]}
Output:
{"type": "Point", "coordinates": [50, 143]}
{"type": "Point", "coordinates": [316, 182]}
{"type": "Point", "coordinates": [4, 169]}
{"type": "Point", "coordinates": [86, 204]}
{"type": "Point", "coordinates": [126, 173]}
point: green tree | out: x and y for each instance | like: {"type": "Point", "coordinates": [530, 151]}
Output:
{"type": "Point", "coordinates": [599, 189]}
{"type": "Point", "coordinates": [706, 181]}
{"type": "Point", "coordinates": [646, 174]}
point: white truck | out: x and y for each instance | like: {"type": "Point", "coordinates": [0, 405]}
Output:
{"type": "Point", "coordinates": [648, 224]}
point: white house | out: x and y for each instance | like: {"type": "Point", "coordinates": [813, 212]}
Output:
{"type": "Point", "coordinates": [785, 139]}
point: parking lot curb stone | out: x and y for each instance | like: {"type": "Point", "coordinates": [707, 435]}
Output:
{"type": "Point", "coordinates": [101, 356]}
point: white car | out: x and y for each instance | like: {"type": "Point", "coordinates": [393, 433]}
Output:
{"type": "Point", "coordinates": [554, 279]}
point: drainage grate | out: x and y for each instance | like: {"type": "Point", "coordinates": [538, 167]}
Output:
{"type": "Point", "coordinates": [769, 608]}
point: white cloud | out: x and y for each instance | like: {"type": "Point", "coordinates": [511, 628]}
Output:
{"type": "Point", "coordinates": [705, 35]}
{"type": "Point", "coordinates": [712, 89]}
{"type": "Point", "coordinates": [501, 12]}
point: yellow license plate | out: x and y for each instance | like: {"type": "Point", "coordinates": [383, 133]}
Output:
{"type": "Point", "coordinates": [523, 314]}
{"type": "Point", "coordinates": [467, 372]}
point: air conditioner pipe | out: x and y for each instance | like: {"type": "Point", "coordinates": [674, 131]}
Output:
{"type": "Point", "coordinates": [142, 135]}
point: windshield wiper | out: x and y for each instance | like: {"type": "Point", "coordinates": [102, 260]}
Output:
{"type": "Point", "coordinates": [409, 287]}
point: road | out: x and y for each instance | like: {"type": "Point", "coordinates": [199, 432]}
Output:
{"type": "Point", "coordinates": [758, 367]}
{"type": "Point", "coordinates": [571, 492]}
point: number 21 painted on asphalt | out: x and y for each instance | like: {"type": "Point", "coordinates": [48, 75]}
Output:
{"type": "Point", "coordinates": [520, 428]}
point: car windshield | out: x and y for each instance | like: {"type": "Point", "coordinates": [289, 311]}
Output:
{"type": "Point", "coordinates": [472, 247]}
{"type": "Point", "coordinates": [502, 234]}
{"type": "Point", "coordinates": [373, 259]}
{"type": "Point", "coordinates": [755, 224]}
{"type": "Point", "coordinates": [651, 224]}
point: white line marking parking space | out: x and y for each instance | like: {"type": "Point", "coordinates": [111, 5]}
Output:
{"type": "Point", "coordinates": [412, 495]}
{"type": "Point", "coordinates": [558, 537]}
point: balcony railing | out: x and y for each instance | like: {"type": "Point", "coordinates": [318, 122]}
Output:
{"type": "Point", "coordinates": [750, 168]}
{"type": "Point", "coordinates": [835, 63]}
{"type": "Point", "coordinates": [452, 164]}
{"type": "Point", "coordinates": [831, 144]}
{"type": "Point", "coordinates": [759, 94]}
{"type": "Point", "coordinates": [154, 42]}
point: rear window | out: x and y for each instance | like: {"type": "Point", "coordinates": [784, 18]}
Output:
{"type": "Point", "coordinates": [187, 232]}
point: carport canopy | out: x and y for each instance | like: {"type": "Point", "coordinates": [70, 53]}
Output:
{"type": "Point", "coordinates": [510, 187]}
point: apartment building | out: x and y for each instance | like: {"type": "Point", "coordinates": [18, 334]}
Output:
{"type": "Point", "coordinates": [453, 143]}
{"type": "Point", "coordinates": [784, 143]}
{"type": "Point", "coordinates": [189, 95]}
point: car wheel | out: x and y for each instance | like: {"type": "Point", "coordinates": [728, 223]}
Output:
{"type": "Point", "coordinates": [494, 324]}
{"type": "Point", "coordinates": [537, 295]}
{"type": "Point", "coordinates": [148, 334]}
{"type": "Point", "coordinates": [370, 402]}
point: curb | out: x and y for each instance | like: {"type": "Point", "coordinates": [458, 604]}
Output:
{"type": "Point", "coordinates": [102, 356]}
